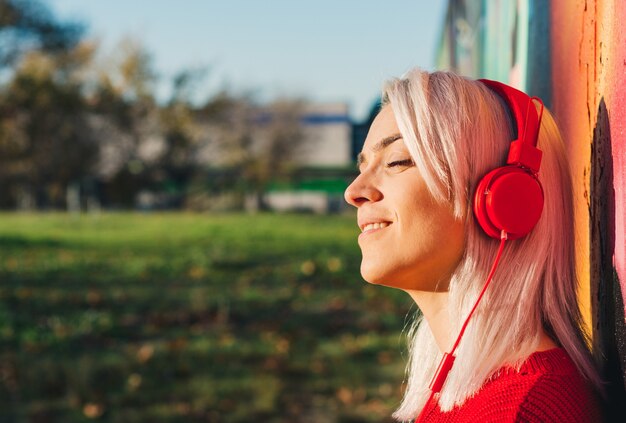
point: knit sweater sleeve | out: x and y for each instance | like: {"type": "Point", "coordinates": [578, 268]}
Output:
{"type": "Point", "coordinates": [559, 399]}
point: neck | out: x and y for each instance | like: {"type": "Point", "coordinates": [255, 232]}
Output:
{"type": "Point", "coordinates": [434, 307]}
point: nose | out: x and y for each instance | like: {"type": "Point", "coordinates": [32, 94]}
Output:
{"type": "Point", "coordinates": [361, 190]}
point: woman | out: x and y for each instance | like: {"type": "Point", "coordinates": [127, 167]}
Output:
{"type": "Point", "coordinates": [522, 356]}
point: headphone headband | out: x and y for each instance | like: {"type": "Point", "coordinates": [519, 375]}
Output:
{"type": "Point", "coordinates": [523, 151]}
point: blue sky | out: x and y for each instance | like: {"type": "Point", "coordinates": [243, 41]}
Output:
{"type": "Point", "coordinates": [323, 50]}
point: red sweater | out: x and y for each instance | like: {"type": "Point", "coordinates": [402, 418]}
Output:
{"type": "Point", "coordinates": [547, 388]}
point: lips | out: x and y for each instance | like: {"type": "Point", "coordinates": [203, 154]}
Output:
{"type": "Point", "coordinates": [368, 225]}
{"type": "Point", "coordinates": [374, 226]}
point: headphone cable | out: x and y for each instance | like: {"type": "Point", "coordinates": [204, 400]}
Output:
{"type": "Point", "coordinates": [448, 358]}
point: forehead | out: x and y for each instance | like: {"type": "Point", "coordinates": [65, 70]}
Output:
{"type": "Point", "coordinates": [383, 126]}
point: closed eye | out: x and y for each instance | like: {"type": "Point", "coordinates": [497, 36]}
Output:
{"type": "Point", "coordinates": [406, 162]}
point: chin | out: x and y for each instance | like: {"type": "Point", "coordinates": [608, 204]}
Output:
{"type": "Point", "coordinates": [395, 276]}
{"type": "Point", "coordinates": [378, 276]}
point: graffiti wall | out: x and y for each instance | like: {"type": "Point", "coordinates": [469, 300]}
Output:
{"type": "Point", "coordinates": [571, 53]}
{"type": "Point", "coordinates": [588, 47]}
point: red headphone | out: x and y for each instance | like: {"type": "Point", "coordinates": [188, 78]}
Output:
{"type": "Point", "coordinates": [510, 198]}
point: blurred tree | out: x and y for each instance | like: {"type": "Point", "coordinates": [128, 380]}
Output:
{"type": "Point", "coordinates": [258, 144]}
{"type": "Point", "coordinates": [178, 162]}
{"type": "Point", "coordinates": [68, 122]}
{"type": "Point", "coordinates": [26, 25]}
{"type": "Point", "coordinates": [127, 115]}
{"type": "Point", "coordinates": [75, 124]}
{"type": "Point", "coordinates": [46, 142]}
{"type": "Point", "coordinates": [185, 84]}
{"type": "Point", "coordinates": [279, 141]}
{"type": "Point", "coordinates": [32, 44]}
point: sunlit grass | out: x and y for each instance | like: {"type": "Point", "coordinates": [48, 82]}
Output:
{"type": "Point", "coordinates": [192, 317]}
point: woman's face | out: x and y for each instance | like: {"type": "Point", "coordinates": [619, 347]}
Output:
{"type": "Point", "coordinates": [408, 240]}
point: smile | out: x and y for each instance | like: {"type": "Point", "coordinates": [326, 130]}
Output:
{"type": "Point", "coordinates": [370, 227]}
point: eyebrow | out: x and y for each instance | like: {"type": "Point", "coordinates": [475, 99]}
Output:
{"type": "Point", "coordinates": [382, 144]}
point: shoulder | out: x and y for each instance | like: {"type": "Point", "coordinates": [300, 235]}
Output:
{"type": "Point", "coordinates": [559, 397]}
{"type": "Point", "coordinates": [546, 387]}
{"type": "Point", "coordinates": [549, 389]}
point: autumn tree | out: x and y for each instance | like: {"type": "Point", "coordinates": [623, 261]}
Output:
{"type": "Point", "coordinates": [32, 44]}
{"type": "Point", "coordinates": [45, 138]}
{"type": "Point", "coordinates": [27, 25]}
{"type": "Point", "coordinates": [127, 114]}
{"type": "Point", "coordinates": [178, 162]}
{"type": "Point", "coordinates": [279, 140]}
{"type": "Point", "coordinates": [255, 144]}
{"type": "Point", "coordinates": [73, 118]}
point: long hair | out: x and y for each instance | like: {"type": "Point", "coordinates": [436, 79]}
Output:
{"type": "Point", "coordinates": [456, 130]}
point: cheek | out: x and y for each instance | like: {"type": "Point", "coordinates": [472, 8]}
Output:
{"type": "Point", "coordinates": [429, 235]}
{"type": "Point", "coordinates": [421, 229]}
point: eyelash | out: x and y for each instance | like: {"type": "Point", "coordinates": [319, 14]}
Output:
{"type": "Point", "coordinates": [407, 162]}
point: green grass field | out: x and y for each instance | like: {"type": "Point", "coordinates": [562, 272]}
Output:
{"type": "Point", "coordinates": [194, 318]}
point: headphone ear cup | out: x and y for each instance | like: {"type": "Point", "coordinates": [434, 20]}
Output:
{"type": "Point", "coordinates": [508, 198]}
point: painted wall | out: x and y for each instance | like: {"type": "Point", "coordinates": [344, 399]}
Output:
{"type": "Point", "coordinates": [493, 42]}
{"type": "Point", "coordinates": [571, 53]}
{"type": "Point", "coordinates": [588, 45]}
